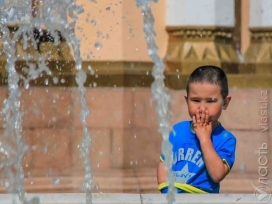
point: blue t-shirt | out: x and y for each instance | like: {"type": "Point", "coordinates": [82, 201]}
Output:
{"type": "Point", "coordinates": [188, 164]}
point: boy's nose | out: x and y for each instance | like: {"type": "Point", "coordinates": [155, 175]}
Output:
{"type": "Point", "coordinates": [202, 107]}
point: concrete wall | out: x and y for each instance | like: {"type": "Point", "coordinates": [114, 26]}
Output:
{"type": "Point", "coordinates": [206, 13]}
{"type": "Point", "coordinates": [260, 13]}
{"type": "Point", "coordinates": [119, 28]}
{"type": "Point", "coordinates": [125, 138]}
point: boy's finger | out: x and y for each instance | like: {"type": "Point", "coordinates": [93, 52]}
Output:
{"type": "Point", "coordinates": [203, 116]}
{"type": "Point", "coordinates": [198, 117]}
{"type": "Point", "coordinates": [207, 117]}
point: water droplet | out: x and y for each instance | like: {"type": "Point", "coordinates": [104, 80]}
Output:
{"type": "Point", "coordinates": [94, 84]}
{"type": "Point", "coordinates": [50, 171]}
{"type": "Point", "coordinates": [242, 168]}
{"type": "Point", "coordinates": [98, 45]}
{"type": "Point", "coordinates": [45, 149]}
{"type": "Point", "coordinates": [135, 136]}
{"type": "Point", "coordinates": [55, 80]}
{"type": "Point", "coordinates": [55, 181]}
{"type": "Point", "coordinates": [93, 22]}
{"type": "Point", "coordinates": [92, 72]}
{"type": "Point", "coordinates": [136, 49]}
{"type": "Point", "coordinates": [96, 186]}
{"type": "Point", "coordinates": [62, 81]}
{"type": "Point", "coordinates": [100, 153]}
{"type": "Point", "coordinates": [46, 81]}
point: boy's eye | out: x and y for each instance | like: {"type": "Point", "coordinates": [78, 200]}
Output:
{"type": "Point", "coordinates": [195, 100]}
{"type": "Point", "coordinates": [211, 101]}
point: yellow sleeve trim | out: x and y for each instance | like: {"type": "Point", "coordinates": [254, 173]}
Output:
{"type": "Point", "coordinates": [162, 185]}
{"type": "Point", "coordinates": [161, 159]}
{"type": "Point", "coordinates": [185, 187]}
{"type": "Point", "coordinates": [225, 162]}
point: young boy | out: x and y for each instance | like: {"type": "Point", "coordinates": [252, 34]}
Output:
{"type": "Point", "coordinates": [203, 151]}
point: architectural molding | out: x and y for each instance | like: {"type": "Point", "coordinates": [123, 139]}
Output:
{"type": "Point", "coordinates": [259, 54]}
{"type": "Point", "coordinates": [190, 47]}
{"type": "Point", "coordinates": [261, 33]}
{"type": "Point", "coordinates": [207, 33]}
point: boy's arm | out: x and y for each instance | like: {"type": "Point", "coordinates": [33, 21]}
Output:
{"type": "Point", "coordinates": [216, 168]}
{"type": "Point", "coordinates": [161, 173]}
{"type": "Point", "coordinates": [161, 178]}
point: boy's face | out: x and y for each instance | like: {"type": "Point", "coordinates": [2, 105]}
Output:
{"type": "Point", "coordinates": [205, 96]}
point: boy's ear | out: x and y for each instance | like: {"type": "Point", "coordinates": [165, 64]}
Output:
{"type": "Point", "coordinates": [186, 98]}
{"type": "Point", "coordinates": [226, 102]}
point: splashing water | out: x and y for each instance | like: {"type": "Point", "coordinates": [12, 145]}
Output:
{"type": "Point", "coordinates": [51, 15]}
{"type": "Point", "coordinates": [13, 118]}
{"type": "Point", "coordinates": [159, 93]}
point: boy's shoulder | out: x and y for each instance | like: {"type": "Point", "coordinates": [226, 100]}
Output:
{"type": "Point", "coordinates": [223, 137]}
{"type": "Point", "coordinates": [182, 124]}
{"type": "Point", "coordinates": [181, 127]}
{"type": "Point", "coordinates": [226, 133]}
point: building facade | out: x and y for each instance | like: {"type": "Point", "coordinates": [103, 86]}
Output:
{"type": "Point", "coordinates": [235, 35]}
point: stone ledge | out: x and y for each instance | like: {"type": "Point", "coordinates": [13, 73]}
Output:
{"type": "Point", "coordinates": [128, 181]}
{"type": "Point", "coordinates": [138, 79]}
{"type": "Point", "coordinates": [130, 74]}
{"type": "Point", "coordinates": [134, 198]}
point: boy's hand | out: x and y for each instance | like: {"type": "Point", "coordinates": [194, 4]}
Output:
{"type": "Point", "coordinates": [202, 125]}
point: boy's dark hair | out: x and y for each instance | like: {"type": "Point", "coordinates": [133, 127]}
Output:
{"type": "Point", "coordinates": [212, 75]}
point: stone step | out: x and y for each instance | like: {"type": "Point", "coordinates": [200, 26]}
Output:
{"type": "Point", "coordinates": [128, 181]}
{"type": "Point", "coordinates": [113, 198]}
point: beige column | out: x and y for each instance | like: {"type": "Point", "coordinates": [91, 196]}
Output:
{"type": "Point", "coordinates": [241, 38]}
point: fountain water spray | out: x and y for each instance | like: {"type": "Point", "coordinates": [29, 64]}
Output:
{"type": "Point", "coordinates": [159, 93]}
{"type": "Point", "coordinates": [51, 15]}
